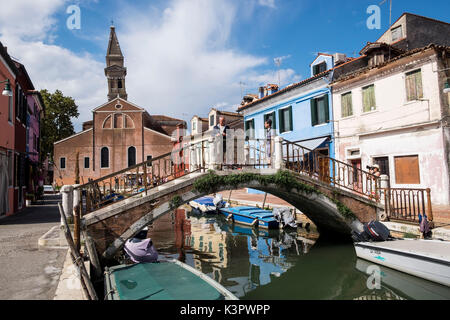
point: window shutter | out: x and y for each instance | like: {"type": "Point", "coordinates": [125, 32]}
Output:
{"type": "Point", "coordinates": [281, 119]}
{"type": "Point", "coordinates": [419, 89]}
{"type": "Point", "coordinates": [313, 112]}
{"type": "Point", "coordinates": [291, 121]}
{"type": "Point", "coordinates": [327, 108]}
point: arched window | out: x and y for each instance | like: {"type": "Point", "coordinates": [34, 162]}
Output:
{"type": "Point", "coordinates": [131, 156]}
{"type": "Point", "coordinates": [118, 121]}
{"type": "Point", "coordinates": [107, 123]}
{"type": "Point", "coordinates": [104, 158]}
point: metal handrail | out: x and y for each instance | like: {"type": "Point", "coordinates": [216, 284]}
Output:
{"type": "Point", "coordinates": [337, 173]}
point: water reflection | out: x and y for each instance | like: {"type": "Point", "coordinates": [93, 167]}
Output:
{"type": "Point", "coordinates": [262, 264]}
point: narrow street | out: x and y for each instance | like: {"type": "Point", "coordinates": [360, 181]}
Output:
{"type": "Point", "coordinates": [27, 271]}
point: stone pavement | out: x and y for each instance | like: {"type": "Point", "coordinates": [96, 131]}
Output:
{"type": "Point", "coordinates": [28, 271]}
{"type": "Point", "coordinates": [69, 285]}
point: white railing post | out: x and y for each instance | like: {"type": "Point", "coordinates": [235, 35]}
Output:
{"type": "Point", "coordinates": [212, 154]}
{"type": "Point", "coordinates": [192, 159]}
{"type": "Point", "coordinates": [67, 200]}
{"type": "Point", "coordinates": [384, 186]}
{"type": "Point", "coordinates": [247, 154]}
{"type": "Point", "coordinates": [278, 153]}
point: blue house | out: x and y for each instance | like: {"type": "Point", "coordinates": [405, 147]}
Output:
{"type": "Point", "coordinates": [301, 112]}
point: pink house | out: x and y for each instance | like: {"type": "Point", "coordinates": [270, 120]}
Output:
{"type": "Point", "coordinates": [8, 70]}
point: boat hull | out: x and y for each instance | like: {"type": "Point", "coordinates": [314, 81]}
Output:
{"type": "Point", "coordinates": [428, 268]}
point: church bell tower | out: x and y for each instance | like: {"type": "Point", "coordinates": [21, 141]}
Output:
{"type": "Point", "coordinates": [115, 72]}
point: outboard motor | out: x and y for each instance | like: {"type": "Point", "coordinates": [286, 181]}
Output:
{"type": "Point", "coordinates": [373, 231]}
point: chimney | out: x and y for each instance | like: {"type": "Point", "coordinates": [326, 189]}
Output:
{"type": "Point", "coordinates": [272, 88]}
{"type": "Point", "coordinates": [261, 92]}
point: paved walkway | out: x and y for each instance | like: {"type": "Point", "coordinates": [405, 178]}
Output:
{"type": "Point", "coordinates": [27, 271]}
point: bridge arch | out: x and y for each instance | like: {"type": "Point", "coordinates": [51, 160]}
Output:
{"type": "Point", "coordinates": [330, 211]}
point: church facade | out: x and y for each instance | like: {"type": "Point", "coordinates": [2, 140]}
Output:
{"type": "Point", "coordinates": [120, 134]}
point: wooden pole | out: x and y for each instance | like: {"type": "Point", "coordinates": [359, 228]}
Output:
{"type": "Point", "coordinates": [86, 283]}
{"type": "Point", "coordinates": [264, 202]}
{"type": "Point", "coordinates": [76, 229]}
{"type": "Point", "coordinates": [429, 205]}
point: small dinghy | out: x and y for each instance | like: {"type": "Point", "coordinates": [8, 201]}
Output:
{"type": "Point", "coordinates": [166, 280]}
{"type": "Point", "coordinates": [208, 204]}
{"type": "Point", "coordinates": [252, 216]}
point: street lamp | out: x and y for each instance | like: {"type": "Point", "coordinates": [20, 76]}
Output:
{"type": "Point", "coordinates": [447, 88]}
{"type": "Point", "coordinates": [7, 91]}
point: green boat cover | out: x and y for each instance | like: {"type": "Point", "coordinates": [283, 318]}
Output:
{"type": "Point", "coordinates": [160, 281]}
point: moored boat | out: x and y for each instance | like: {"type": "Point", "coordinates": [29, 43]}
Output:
{"type": "Point", "coordinates": [207, 204]}
{"type": "Point", "coordinates": [427, 259]}
{"type": "Point", "coordinates": [251, 216]}
{"type": "Point", "coordinates": [166, 280]}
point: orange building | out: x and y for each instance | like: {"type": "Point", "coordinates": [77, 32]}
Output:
{"type": "Point", "coordinates": [121, 134]}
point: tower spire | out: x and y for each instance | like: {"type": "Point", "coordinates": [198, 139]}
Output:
{"type": "Point", "coordinates": [115, 71]}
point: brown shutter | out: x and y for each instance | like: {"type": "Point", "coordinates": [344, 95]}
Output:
{"type": "Point", "coordinates": [407, 170]}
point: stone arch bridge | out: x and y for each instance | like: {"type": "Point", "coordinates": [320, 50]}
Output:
{"type": "Point", "coordinates": [315, 185]}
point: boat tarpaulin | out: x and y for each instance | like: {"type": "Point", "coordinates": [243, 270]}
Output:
{"type": "Point", "coordinates": [160, 281]}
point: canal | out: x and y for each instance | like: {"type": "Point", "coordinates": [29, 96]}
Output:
{"type": "Point", "coordinates": [289, 265]}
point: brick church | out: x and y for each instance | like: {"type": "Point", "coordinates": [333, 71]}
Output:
{"type": "Point", "coordinates": [120, 133]}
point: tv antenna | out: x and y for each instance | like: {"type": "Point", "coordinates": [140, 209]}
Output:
{"type": "Point", "coordinates": [242, 84]}
{"type": "Point", "coordinates": [278, 62]}
{"type": "Point", "coordinates": [390, 10]}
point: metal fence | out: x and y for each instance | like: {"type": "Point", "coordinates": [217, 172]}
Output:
{"type": "Point", "coordinates": [331, 171]}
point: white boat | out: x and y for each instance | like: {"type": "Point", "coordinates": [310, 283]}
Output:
{"type": "Point", "coordinates": [208, 204]}
{"type": "Point", "coordinates": [427, 259]}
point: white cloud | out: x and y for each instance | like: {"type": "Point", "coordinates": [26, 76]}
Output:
{"type": "Point", "coordinates": [267, 3]}
{"type": "Point", "coordinates": [27, 19]}
{"type": "Point", "coordinates": [27, 34]}
{"type": "Point", "coordinates": [180, 61]}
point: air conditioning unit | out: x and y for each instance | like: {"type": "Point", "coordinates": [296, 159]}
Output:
{"type": "Point", "coordinates": [339, 58]}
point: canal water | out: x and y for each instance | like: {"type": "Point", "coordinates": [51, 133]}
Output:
{"type": "Point", "coordinates": [296, 264]}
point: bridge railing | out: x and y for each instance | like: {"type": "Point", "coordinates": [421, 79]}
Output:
{"type": "Point", "coordinates": [137, 179]}
{"type": "Point", "coordinates": [334, 172]}
{"type": "Point", "coordinates": [407, 204]}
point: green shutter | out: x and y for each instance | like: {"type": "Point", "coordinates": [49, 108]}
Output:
{"type": "Point", "coordinates": [281, 119]}
{"type": "Point", "coordinates": [313, 112]}
{"type": "Point", "coordinates": [419, 89]}
{"type": "Point", "coordinates": [369, 98]}
{"type": "Point", "coordinates": [327, 109]}
{"type": "Point", "coordinates": [246, 129]}
{"type": "Point", "coordinates": [291, 121]}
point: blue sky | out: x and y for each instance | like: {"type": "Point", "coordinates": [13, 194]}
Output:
{"type": "Point", "coordinates": [185, 56]}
